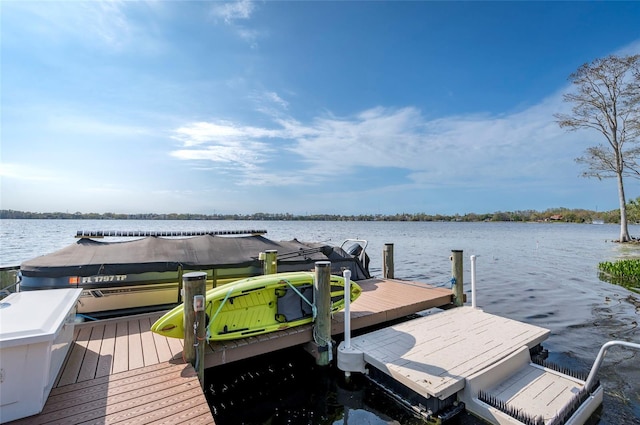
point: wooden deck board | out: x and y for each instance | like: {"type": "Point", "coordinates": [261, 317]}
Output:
{"type": "Point", "coordinates": [432, 355]}
{"type": "Point", "coordinates": [92, 354]}
{"type": "Point", "coordinates": [107, 348]}
{"type": "Point", "coordinates": [149, 349]}
{"type": "Point", "coordinates": [162, 348]}
{"type": "Point", "coordinates": [77, 352]}
{"type": "Point", "coordinates": [121, 351]}
{"type": "Point", "coordinates": [136, 356]}
{"type": "Point", "coordinates": [147, 395]}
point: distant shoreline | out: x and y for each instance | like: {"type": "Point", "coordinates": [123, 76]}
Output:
{"type": "Point", "coordinates": [562, 215]}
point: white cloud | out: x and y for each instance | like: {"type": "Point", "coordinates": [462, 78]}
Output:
{"type": "Point", "coordinates": [221, 132]}
{"type": "Point", "coordinates": [273, 97]}
{"type": "Point", "coordinates": [467, 149]}
{"type": "Point", "coordinates": [269, 103]}
{"type": "Point", "coordinates": [233, 11]}
{"type": "Point", "coordinates": [244, 155]}
{"type": "Point", "coordinates": [249, 35]}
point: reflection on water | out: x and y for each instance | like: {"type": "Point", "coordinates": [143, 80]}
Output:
{"type": "Point", "coordinates": [286, 387]}
{"type": "Point", "coordinates": [539, 273]}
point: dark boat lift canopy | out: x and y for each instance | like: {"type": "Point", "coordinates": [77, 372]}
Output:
{"type": "Point", "coordinates": [89, 257]}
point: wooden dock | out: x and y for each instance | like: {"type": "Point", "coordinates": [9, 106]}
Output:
{"type": "Point", "coordinates": [381, 301]}
{"type": "Point", "coordinates": [118, 371]}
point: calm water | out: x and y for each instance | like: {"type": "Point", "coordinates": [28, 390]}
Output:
{"type": "Point", "coordinates": [543, 274]}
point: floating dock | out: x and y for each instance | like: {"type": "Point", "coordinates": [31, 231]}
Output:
{"type": "Point", "coordinates": [464, 354]}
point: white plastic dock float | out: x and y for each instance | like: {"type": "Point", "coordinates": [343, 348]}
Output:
{"type": "Point", "coordinates": [476, 357]}
{"type": "Point", "coordinates": [36, 330]}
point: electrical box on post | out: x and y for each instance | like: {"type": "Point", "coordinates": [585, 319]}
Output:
{"type": "Point", "coordinates": [198, 303]}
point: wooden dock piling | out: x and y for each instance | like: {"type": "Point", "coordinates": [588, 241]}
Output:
{"type": "Point", "coordinates": [270, 261]}
{"type": "Point", "coordinates": [458, 281]}
{"type": "Point", "coordinates": [387, 261]}
{"type": "Point", "coordinates": [322, 297]}
{"type": "Point", "coordinates": [195, 287]}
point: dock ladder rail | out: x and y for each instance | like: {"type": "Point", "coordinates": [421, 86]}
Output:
{"type": "Point", "coordinates": [603, 350]}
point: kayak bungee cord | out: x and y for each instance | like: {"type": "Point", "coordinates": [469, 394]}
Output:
{"type": "Point", "coordinates": [213, 318]}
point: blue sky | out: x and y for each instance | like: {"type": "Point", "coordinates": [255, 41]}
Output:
{"type": "Point", "coordinates": [300, 107]}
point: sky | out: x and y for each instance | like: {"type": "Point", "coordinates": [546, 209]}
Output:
{"type": "Point", "coordinates": [300, 107]}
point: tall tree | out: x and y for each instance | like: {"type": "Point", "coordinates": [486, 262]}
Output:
{"type": "Point", "coordinates": [607, 99]}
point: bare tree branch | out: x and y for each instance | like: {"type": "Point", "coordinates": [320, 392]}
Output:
{"type": "Point", "coordinates": [607, 100]}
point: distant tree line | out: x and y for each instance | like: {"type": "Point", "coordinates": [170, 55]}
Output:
{"type": "Point", "coordinates": [551, 215]}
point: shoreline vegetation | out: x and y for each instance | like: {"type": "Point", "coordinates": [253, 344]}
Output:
{"type": "Point", "coordinates": [624, 272]}
{"type": "Point", "coordinates": [563, 215]}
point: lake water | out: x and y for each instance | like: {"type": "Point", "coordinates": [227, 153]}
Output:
{"type": "Point", "coordinates": [539, 273]}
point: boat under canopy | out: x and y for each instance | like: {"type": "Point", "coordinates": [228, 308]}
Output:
{"type": "Point", "coordinates": [147, 272]}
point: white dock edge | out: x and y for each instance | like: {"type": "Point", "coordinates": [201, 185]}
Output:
{"type": "Point", "coordinates": [527, 388]}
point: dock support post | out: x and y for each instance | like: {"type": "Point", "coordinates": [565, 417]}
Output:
{"type": "Point", "coordinates": [347, 308]}
{"type": "Point", "coordinates": [456, 272]}
{"type": "Point", "coordinates": [270, 262]}
{"type": "Point", "coordinates": [473, 281]}
{"type": "Point", "coordinates": [387, 261]}
{"type": "Point", "coordinates": [322, 327]}
{"type": "Point", "coordinates": [195, 286]}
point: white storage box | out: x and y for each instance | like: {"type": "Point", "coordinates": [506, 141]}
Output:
{"type": "Point", "coordinates": [36, 331]}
